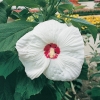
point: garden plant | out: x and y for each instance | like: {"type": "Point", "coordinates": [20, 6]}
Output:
{"type": "Point", "coordinates": [42, 55]}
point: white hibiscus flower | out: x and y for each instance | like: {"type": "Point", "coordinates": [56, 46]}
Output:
{"type": "Point", "coordinates": [54, 49]}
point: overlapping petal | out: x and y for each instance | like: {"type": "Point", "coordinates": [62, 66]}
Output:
{"type": "Point", "coordinates": [36, 66]}
{"type": "Point", "coordinates": [30, 50]}
{"type": "Point", "coordinates": [49, 31]}
{"type": "Point", "coordinates": [64, 68]}
{"type": "Point", "coordinates": [71, 43]}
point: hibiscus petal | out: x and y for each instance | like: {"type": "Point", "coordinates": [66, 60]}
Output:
{"type": "Point", "coordinates": [34, 67]}
{"type": "Point", "coordinates": [71, 43]}
{"type": "Point", "coordinates": [64, 68]}
{"type": "Point", "coordinates": [31, 54]}
{"type": "Point", "coordinates": [70, 39]}
{"type": "Point", "coordinates": [29, 45]}
{"type": "Point", "coordinates": [48, 31]}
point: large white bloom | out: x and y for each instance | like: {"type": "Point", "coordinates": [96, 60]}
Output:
{"type": "Point", "coordinates": [54, 49]}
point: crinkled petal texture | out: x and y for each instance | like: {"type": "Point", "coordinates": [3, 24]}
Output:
{"type": "Point", "coordinates": [67, 66]}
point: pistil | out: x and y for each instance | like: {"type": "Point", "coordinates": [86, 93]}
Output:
{"type": "Point", "coordinates": [52, 52]}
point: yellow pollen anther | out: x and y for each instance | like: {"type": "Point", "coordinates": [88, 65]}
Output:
{"type": "Point", "coordinates": [52, 53]}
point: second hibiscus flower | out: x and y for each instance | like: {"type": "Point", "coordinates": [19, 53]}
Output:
{"type": "Point", "coordinates": [54, 49]}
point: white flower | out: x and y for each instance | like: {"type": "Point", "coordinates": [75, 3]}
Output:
{"type": "Point", "coordinates": [1, 1]}
{"type": "Point", "coordinates": [21, 7]}
{"type": "Point", "coordinates": [54, 49]}
{"type": "Point", "coordinates": [13, 7]}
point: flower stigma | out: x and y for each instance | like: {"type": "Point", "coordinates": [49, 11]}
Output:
{"type": "Point", "coordinates": [51, 51]}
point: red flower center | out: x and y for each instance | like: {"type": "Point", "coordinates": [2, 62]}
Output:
{"type": "Point", "coordinates": [51, 51]}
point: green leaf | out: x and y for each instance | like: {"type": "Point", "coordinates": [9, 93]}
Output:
{"type": "Point", "coordinates": [58, 95]}
{"type": "Point", "coordinates": [60, 88]}
{"type": "Point", "coordinates": [18, 96]}
{"type": "Point", "coordinates": [11, 32]}
{"type": "Point", "coordinates": [27, 3]}
{"type": "Point", "coordinates": [81, 22]}
{"type": "Point", "coordinates": [98, 45]}
{"type": "Point", "coordinates": [42, 3]}
{"type": "Point", "coordinates": [16, 15]}
{"type": "Point", "coordinates": [7, 86]}
{"type": "Point", "coordinates": [98, 66]}
{"type": "Point", "coordinates": [91, 47]}
{"type": "Point", "coordinates": [96, 59]}
{"type": "Point", "coordinates": [79, 7]}
{"type": "Point", "coordinates": [83, 75]}
{"type": "Point", "coordinates": [23, 15]}
{"type": "Point", "coordinates": [3, 13]}
{"type": "Point", "coordinates": [67, 85]}
{"type": "Point", "coordinates": [48, 93]}
{"type": "Point", "coordinates": [9, 1]}
{"type": "Point", "coordinates": [11, 79]}
{"type": "Point", "coordinates": [95, 93]}
{"type": "Point", "coordinates": [67, 6]}
{"type": "Point", "coordinates": [95, 75]}
{"type": "Point", "coordinates": [5, 90]}
{"type": "Point", "coordinates": [24, 12]}
{"type": "Point", "coordinates": [27, 87]}
{"type": "Point", "coordinates": [64, 0]}
{"type": "Point", "coordinates": [78, 82]}
{"type": "Point", "coordinates": [8, 63]}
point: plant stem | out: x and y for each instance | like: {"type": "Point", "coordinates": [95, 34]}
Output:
{"type": "Point", "coordinates": [73, 89]}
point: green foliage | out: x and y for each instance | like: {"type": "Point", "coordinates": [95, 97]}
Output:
{"type": "Point", "coordinates": [81, 22]}
{"type": "Point", "coordinates": [96, 59]}
{"type": "Point", "coordinates": [78, 84]}
{"type": "Point", "coordinates": [47, 93]}
{"type": "Point", "coordinates": [83, 75]}
{"type": "Point", "coordinates": [23, 15]}
{"type": "Point", "coordinates": [94, 93]}
{"type": "Point", "coordinates": [95, 75]}
{"type": "Point", "coordinates": [3, 13]}
{"type": "Point", "coordinates": [8, 63]}
{"type": "Point", "coordinates": [98, 45]}
{"type": "Point", "coordinates": [58, 95]}
{"type": "Point", "coordinates": [11, 32]}
{"type": "Point", "coordinates": [5, 90]}
{"type": "Point", "coordinates": [26, 87]}
{"type": "Point", "coordinates": [42, 3]}
{"type": "Point", "coordinates": [85, 12]}
{"type": "Point", "coordinates": [66, 6]}
{"type": "Point", "coordinates": [61, 89]}
{"type": "Point", "coordinates": [98, 66]}
{"type": "Point", "coordinates": [29, 3]}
